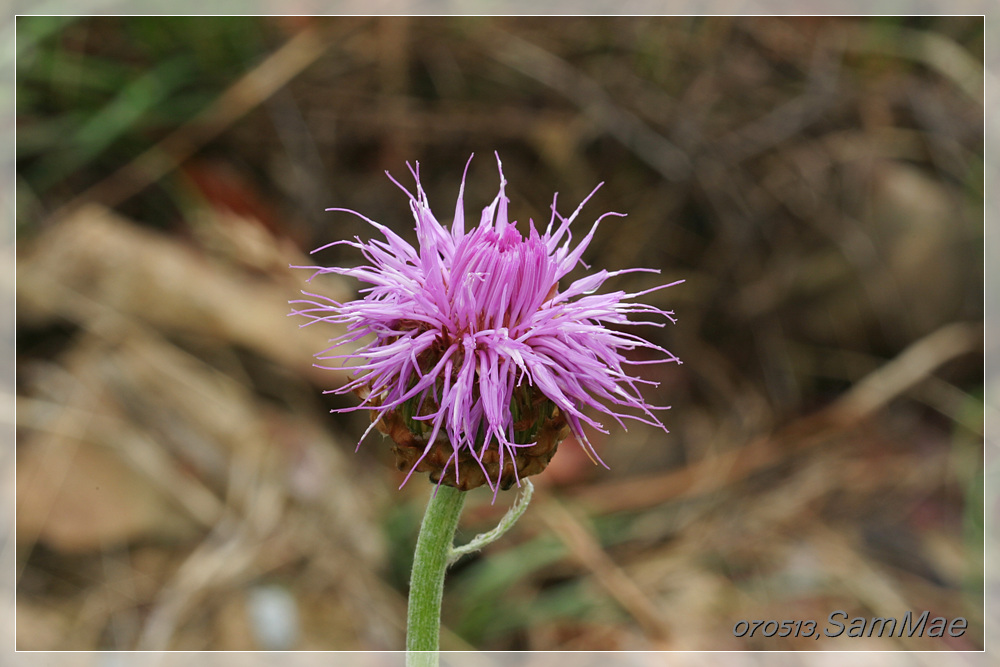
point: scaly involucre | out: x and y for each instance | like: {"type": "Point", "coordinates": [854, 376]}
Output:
{"type": "Point", "coordinates": [461, 322]}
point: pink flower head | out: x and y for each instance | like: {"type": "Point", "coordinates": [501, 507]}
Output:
{"type": "Point", "coordinates": [467, 324]}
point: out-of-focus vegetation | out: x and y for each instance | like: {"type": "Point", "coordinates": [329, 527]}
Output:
{"type": "Point", "coordinates": [816, 181]}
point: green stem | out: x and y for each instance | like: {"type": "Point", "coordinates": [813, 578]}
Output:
{"type": "Point", "coordinates": [423, 618]}
{"type": "Point", "coordinates": [506, 523]}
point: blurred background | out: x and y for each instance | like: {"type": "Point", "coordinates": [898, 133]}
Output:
{"type": "Point", "coordinates": [817, 182]}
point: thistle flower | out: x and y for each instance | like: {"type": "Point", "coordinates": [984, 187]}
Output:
{"type": "Point", "coordinates": [478, 363]}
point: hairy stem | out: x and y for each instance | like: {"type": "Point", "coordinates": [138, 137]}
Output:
{"type": "Point", "coordinates": [423, 618]}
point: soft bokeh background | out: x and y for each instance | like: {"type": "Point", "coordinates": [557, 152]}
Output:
{"type": "Point", "coordinates": [818, 183]}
